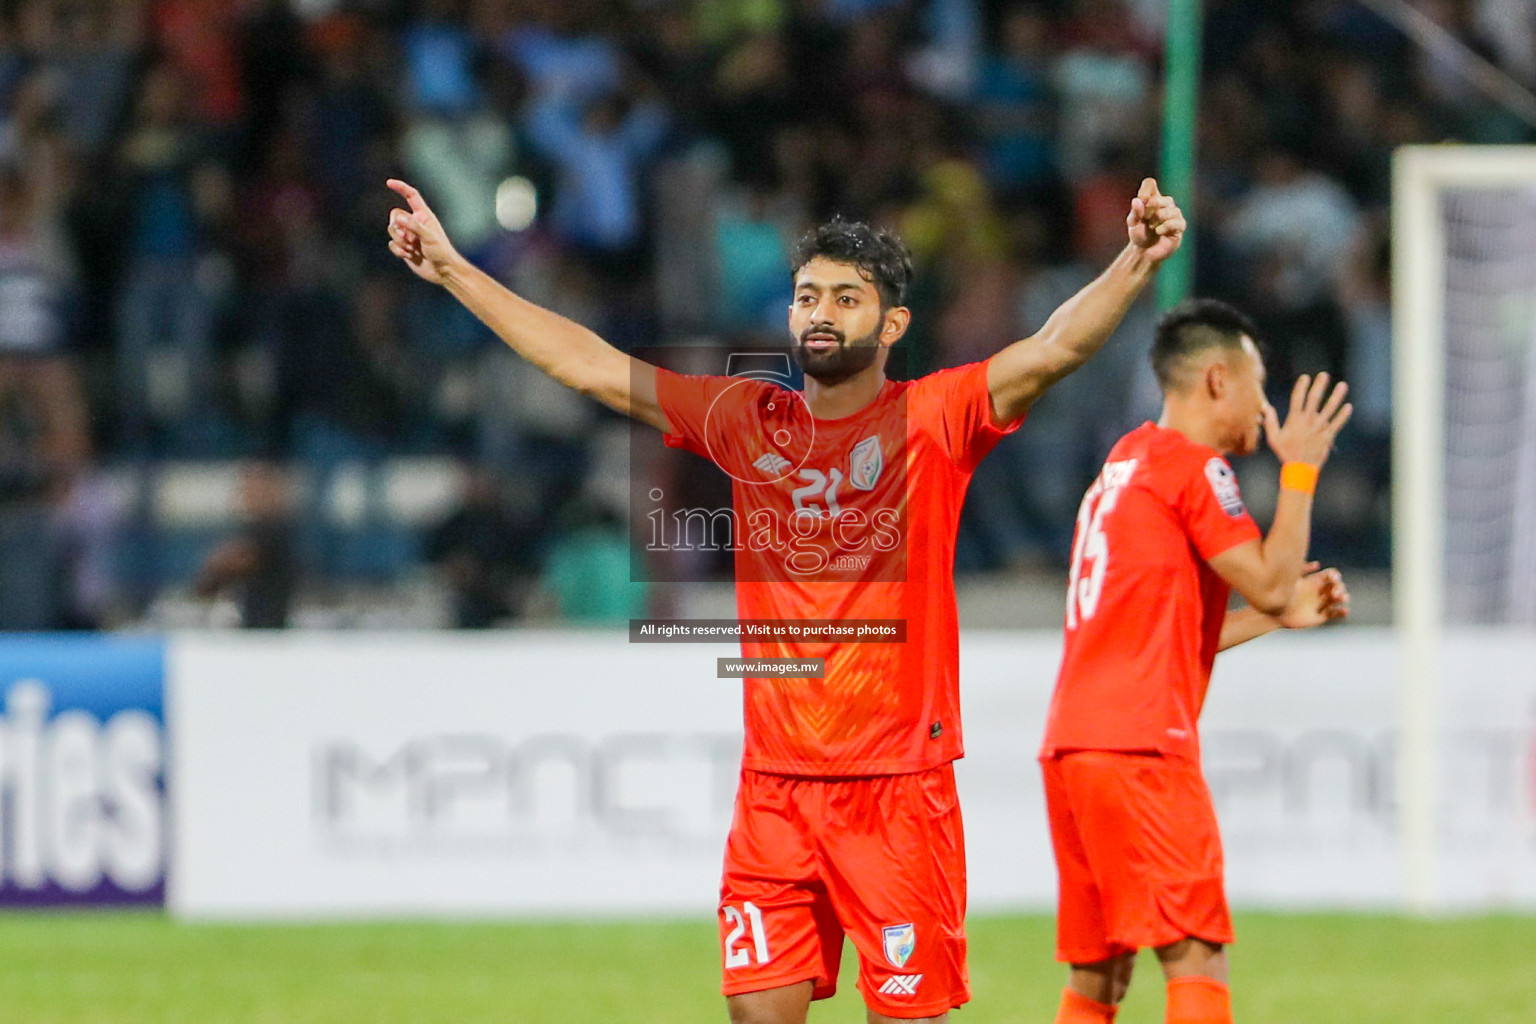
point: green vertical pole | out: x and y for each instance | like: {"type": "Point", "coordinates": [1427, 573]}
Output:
{"type": "Point", "coordinates": [1180, 103]}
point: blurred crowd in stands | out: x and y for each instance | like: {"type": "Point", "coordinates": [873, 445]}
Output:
{"type": "Point", "coordinates": [193, 270]}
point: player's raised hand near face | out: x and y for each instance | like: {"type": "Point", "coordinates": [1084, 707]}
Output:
{"type": "Point", "coordinates": [1315, 418]}
{"type": "Point", "coordinates": [418, 238]}
{"type": "Point", "coordinates": [1320, 597]}
{"type": "Point", "coordinates": [1155, 223]}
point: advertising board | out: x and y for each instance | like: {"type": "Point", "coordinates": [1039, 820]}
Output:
{"type": "Point", "coordinates": [575, 773]}
{"type": "Point", "coordinates": [82, 745]}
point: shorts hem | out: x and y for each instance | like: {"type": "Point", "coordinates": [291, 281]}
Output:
{"type": "Point", "coordinates": [1210, 935]}
{"type": "Point", "coordinates": [917, 1011]}
{"type": "Point", "coordinates": [1081, 956]}
{"type": "Point", "coordinates": [1212, 920]}
{"type": "Point", "coordinates": [821, 988]}
{"type": "Point", "coordinates": [1176, 934]}
{"type": "Point", "coordinates": [1117, 947]}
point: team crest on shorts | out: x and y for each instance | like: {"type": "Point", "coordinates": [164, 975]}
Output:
{"type": "Point", "coordinates": [900, 940]}
{"type": "Point", "coordinates": [865, 463]}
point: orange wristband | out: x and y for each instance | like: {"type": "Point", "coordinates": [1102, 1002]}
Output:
{"type": "Point", "coordinates": [1299, 476]}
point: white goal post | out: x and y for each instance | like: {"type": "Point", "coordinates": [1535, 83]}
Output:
{"type": "Point", "coordinates": [1423, 179]}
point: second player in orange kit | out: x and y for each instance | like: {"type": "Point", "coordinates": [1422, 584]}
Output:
{"type": "Point", "coordinates": [1162, 539]}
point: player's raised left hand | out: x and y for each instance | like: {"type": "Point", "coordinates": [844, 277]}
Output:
{"type": "Point", "coordinates": [1320, 596]}
{"type": "Point", "coordinates": [1155, 223]}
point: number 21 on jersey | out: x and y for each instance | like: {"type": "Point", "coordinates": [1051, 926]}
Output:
{"type": "Point", "coordinates": [1090, 551]}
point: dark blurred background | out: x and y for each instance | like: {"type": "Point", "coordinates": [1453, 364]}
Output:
{"type": "Point", "coordinates": [221, 399]}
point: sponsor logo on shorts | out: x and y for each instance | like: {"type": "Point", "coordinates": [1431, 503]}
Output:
{"type": "Point", "coordinates": [901, 985]}
{"type": "Point", "coordinates": [899, 941]}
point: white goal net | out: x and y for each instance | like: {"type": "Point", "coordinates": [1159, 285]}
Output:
{"type": "Point", "coordinates": [1490, 403]}
{"type": "Point", "coordinates": [1464, 445]}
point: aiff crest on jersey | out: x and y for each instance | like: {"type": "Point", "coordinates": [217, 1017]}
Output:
{"type": "Point", "coordinates": [865, 463]}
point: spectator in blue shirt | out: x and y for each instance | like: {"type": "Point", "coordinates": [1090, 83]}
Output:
{"type": "Point", "coordinates": [601, 151]}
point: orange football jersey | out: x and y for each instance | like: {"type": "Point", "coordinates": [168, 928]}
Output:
{"type": "Point", "coordinates": [846, 519]}
{"type": "Point", "coordinates": [1144, 607]}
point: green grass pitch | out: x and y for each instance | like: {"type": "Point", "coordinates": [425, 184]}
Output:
{"type": "Point", "coordinates": [137, 968]}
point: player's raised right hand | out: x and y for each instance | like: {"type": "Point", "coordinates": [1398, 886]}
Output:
{"type": "Point", "coordinates": [1312, 424]}
{"type": "Point", "coordinates": [418, 238]}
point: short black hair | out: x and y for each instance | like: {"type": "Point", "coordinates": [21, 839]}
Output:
{"type": "Point", "coordinates": [1193, 326]}
{"type": "Point", "coordinates": [879, 255]}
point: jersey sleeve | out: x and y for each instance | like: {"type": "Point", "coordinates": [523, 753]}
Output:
{"type": "Point", "coordinates": [1211, 507]}
{"type": "Point", "coordinates": [955, 407]}
{"type": "Point", "coordinates": [706, 412]}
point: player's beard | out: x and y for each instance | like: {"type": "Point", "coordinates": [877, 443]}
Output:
{"type": "Point", "coordinates": [845, 360]}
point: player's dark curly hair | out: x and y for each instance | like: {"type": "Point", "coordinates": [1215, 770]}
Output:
{"type": "Point", "coordinates": [1193, 326]}
{"type": "Point", "coordinates": [880, 256]}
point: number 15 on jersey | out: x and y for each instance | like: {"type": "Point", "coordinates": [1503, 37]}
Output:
{"type": "Point", "coordinates": [1090, 550]}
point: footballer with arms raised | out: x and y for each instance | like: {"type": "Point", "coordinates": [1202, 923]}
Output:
{"type": "Point", "coordinates": [1162, 539]}
{"type": "Point", "coordinates": [846, 820]}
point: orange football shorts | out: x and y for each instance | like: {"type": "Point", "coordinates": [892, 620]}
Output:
{"type": "Point", "coordinates": [1138, 854]}
{"type": "Point", "coordinates": [880, 859]}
